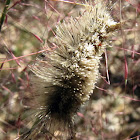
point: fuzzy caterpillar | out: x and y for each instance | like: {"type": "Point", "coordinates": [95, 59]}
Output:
{"type": "Point", "coordinates": [67, 75]}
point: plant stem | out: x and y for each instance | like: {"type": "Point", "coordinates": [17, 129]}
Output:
{"type": "Point", "coordinates": [4, 13]}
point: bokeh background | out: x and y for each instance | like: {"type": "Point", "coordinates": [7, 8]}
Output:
{"type": "Point", "coordinates": [113, 111]}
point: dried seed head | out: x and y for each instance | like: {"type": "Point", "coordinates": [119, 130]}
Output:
{"type": "Point", "coordinates": [69, 74]}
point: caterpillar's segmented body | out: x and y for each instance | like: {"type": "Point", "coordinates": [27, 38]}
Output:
{"type": "Point", "coordinates": [70, 72]}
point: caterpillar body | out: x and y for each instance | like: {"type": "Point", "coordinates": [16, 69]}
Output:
{"type": "Point", "coordinates": [67, 76]}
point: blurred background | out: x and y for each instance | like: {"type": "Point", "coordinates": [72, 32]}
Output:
{"type": "Point", "coordinates": [113, 111]}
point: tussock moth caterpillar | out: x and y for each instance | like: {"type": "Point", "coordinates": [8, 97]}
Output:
{"type": "Point", "coordinates": [67, 76]}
